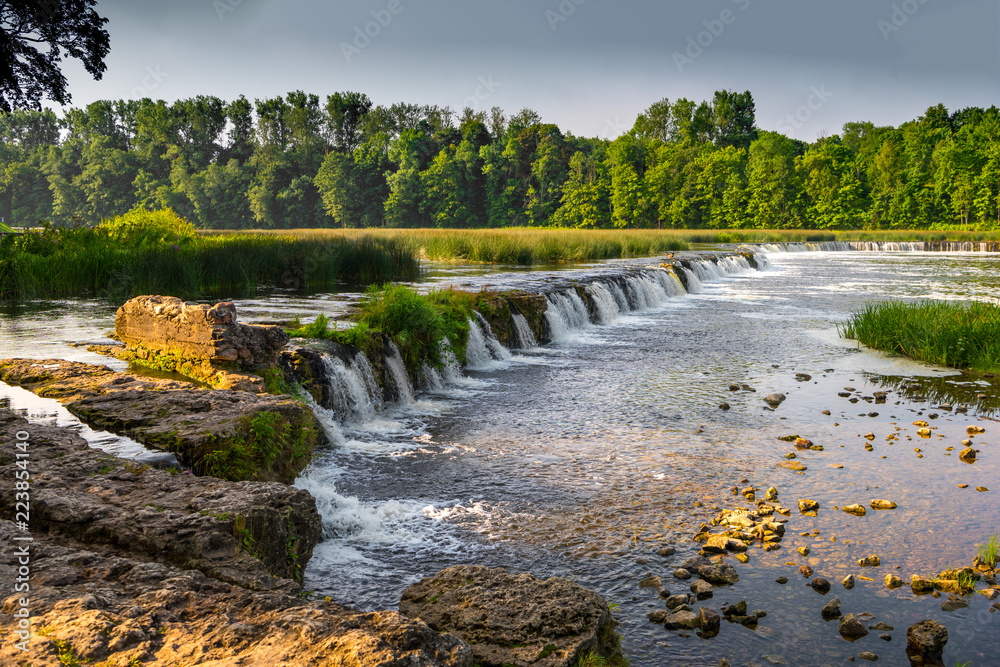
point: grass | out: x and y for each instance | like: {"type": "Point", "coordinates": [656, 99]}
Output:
{"type": "Point", "coordinates": [145, 252]}
{"type": "Point", "coordinates": [419, 324]}
{"type": "Point", "coordinates": [988, 550]}
{"type": "Point", "coordinates": [262, 438]}
{"type": "Point", "coordinates": [962, 335]}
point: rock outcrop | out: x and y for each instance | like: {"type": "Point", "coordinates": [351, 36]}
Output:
{"type": "Point", "coordinates": [197, 340]}
{"type": "Point", "coordinates": [234, 435]}
{"type": "Point", "coordinates": [87, 607]}
{"type": "Point", "coordinates": [512, 619]}
{"type": "Point", "coordinates": [499, 308]}
{"type": "Point", "coordinates": [256, 535]}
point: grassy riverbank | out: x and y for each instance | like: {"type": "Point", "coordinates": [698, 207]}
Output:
{"type": "Point", "coordinates": [959, 335]}
{"type": "Point", "coordinates": [146, 252]}
{"type": "Point", "coordinates": [528, 246]}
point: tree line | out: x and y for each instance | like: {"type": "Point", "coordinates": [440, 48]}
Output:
{"type": "Point", "coordinates": [295, 161]}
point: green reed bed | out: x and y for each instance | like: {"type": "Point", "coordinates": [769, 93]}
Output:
{"type": "Point", "coordinates": [957, 334]}
{"type": "Point", "coordinates": [146, 252]}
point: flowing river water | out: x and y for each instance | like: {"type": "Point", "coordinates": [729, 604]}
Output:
{"type": "Point", "coordinates": [583, 457]}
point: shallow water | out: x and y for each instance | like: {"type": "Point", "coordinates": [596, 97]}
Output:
{"type": "Point", "coordinates": [581, 458]}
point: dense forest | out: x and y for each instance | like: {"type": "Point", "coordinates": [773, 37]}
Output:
{"type": "Point", "coordinates": [293, 162]}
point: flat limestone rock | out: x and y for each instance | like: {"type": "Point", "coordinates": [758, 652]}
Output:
{"type": "Point", "coordinates": [85, 497]}
{"type": "Point", "coordinates": [210, 430]}
{"type": "Point", "coordinates": [513, 619]}
{"type": "Point", "coordinates": [117, 611]}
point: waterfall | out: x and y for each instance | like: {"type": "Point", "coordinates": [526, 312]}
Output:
{"type": "Point", "coordinates": [605, 306]}
{"type": "Point", "coordinates": [354, 394]}
{"type": "Point", "coordinates": [523, 336]}
{"type": "Point", "coordinates": [565, 313]}
{"type": "Point", "coordinates": [477, 355]}
{"type": "Point", "coordinates": [496, 348]}
{"type": "Point", "coordinates": [394, 362]}
{"type": "Point", "coordinates": [693, 284]}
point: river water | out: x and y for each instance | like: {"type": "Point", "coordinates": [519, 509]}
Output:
{"type": "Point", "coordinates": [583, 457]}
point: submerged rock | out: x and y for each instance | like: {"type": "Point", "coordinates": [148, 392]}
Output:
{"type": "Point", "coordinates": [926, 640]}
{"type": "Point", "coordinates": [831, 609]}
{"type": "Point", "coordinates": [514, 618]}
{"type": "Point", "coordinates": [851, 628]}
{"type": "Point", "coordinates": [883, 505]}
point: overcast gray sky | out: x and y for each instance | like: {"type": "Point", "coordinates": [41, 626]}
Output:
{"type": "Point", "coordinates": [589, 66]}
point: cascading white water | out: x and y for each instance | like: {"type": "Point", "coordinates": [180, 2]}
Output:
{"type": "Point", "coordinates": [693, 284]}
{"type": "Point", "coordinates": [523, 335]}
{"type": "Point", "coordinates": [565, 313]}
{"type": "Point", "coordinates": [605, 306]}
{"type": "Point", "coordinates": [496, 348]}
{"type": "Point", "coordinates": [354, 394]}
{"type": "Point", "coordinates": [452, 370]}
{"type": "Point", "coordinates": [477, 354]}
{"type": "Point", "coordinates": [670, 283]}
{"type": "Point", "coordinates": [394, 362]}
{"type": "Point", "coordinates": [620, 297]}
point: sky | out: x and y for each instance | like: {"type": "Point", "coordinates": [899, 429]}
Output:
{"type": "Point", "coordinates": [589, 66]}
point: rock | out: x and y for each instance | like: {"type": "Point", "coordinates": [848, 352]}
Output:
{"type": "Point", "coordinates": [681, 620]}
{"type": "Point", "coordinates": [781, 580]}
{"type": "Point", "coordinates": [234, 435]}
{"type": "Point", "coordinates": [990, 593]}
{"type": "Point", "coordinates": [881, 627]}
{"type": "Point", "coordinates": [831, 609]}
{"type": "Point", "coordinates": [663, 592]}
{"type": "Point", "coordinates": [802, 443]}
{"type": "Point", "coordinates": [820, 585]}
{"type": "Point", "coordinates": [702, 589]}
{"type": "Point", "coordinates": [719, 574]}
{"type": "Point", "coordinates": [883, 505]}
{"type": "Point", "coordinates": [681, 573]}
{"type": "Point", "coordinates": [806, 571]}
{"type": "Point", "coordinates": [856, 510]}
{"type": "Point", "coordinates": [196, 340]}
{"type": "Point", "coordinates": [795, 466]}
{"type": "Point", "coordinates": [513, 618]}
{"type": "Point", "coordinates": [658, 616]}
{"type": "Point", "coordinates": [86, 499]}
{"type": "Point", "coordinates": [734, 387]}
{"type": "Point", "coordinates": [870, 561]}
{"type": "Point", "coordinates": [851, 628]}
{"type": "Point", "coordinates": [115, 610]}
{"type": "Point", "coordinates": [968, 455]}
{"type": "Point", "coordinates": [738, 609]}
{"type": "Point", "coordinates": [775, 400]}
{"type": "Point", "coordinates": [921, 585]}
{"type": "Point", "coordinates": [954, 604]}
{"type": "Point", "coordinates": [849, 581]}
{"type": "Point", "coordinates": [893, 582]}
{"type": "Point", "coordinates": [666, 552]}
{"type": "Point", "coordinates": [709, 620]}
{"type": "Point", "coordinates": [868, 655]}
{"type": "Point", "coordinates": [803, 551]}
{"type": "Point", "coordinates": [651, 582]}
{"type": "Point", "coordinates": [725, 406]}
{"type": "Point", "coordinates": [926, 640]}
{"type": "Point", "coordinates": [675, 601]}
{"type": "Point", "coordinates": [808, 506]}
{"type": "Point", "coordinates": [975, 430]}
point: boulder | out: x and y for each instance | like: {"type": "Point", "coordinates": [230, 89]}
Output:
{"type": "Point", "coordinates": [893, 582]}
{"type": "Point", "coordinates": [719, 574]}
{"type": "Point", "coordinates": [883, 505]}
{"type": "Point", "coordinates": [926, 640]}
{"type": "Point", "coordinates": [709, 620]}
{"type": "Point", "coordinates": [921, 585]}
{"type": "Point", "coordinates": [198, 340]}
{"type": "Point", "coordinates": [114, 610]}
{"type": "Point", "coordinates": [234, 435]}
{"type": "Point", "coordinates": [820, 585]}
{"type": "Point", "coordinates": [852, 628]}
{"type": "Point", "coordinates": [806, 505]}
{"type": "Point", "coordinates": [856, 510]}
{"type": "Point", "coordinates": [682, 620]}
{"type": "Point", "coordinates": [831, 609]}
{"type": "Point", "coordinates": [702, 589]}
{"type": "Point", "coordinates": [514, 618]}
{"type": "Point", "coordinates": [849, 581]}
{"type": "Point", "coordinates": [774, 400]}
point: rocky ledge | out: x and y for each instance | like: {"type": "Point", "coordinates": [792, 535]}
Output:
{"type": "Point", "coordinates": [234, 435]}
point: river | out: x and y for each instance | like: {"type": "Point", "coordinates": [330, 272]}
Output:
{"type": "Point", "coordinates": [583, 457]}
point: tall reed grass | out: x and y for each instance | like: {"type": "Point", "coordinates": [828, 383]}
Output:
{"type": "Point", "coordinates": [145, 253]}
{"type": "Point", "coordinates": [960, 335]}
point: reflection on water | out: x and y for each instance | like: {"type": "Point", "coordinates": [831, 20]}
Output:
{"type": "Point", "coordinates": [583, 457]}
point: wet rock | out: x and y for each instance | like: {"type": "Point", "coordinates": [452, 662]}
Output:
{"type": "Point", "coordinates": [921, 585]}
{"type": "Point", "coordinates": [719, 574]}
{"type": "Point", "coordinates": [851, 628]}
{"type": "Point", "coordinates": [681, 573]}
{"type": "Point", "coordinates": [803, 377]}
{"type": "Point", "coordinates": [885, 637]}
{"type": "Point", "coordinates": [981, 489]}
{"type": "Point", "coordinates": [775, 400]}
{"type": "Point", "coordinates": [893, 582]}
{"type": "Point", "coordinates": [975, 430]}
{"type": "Point", "coordinates": [734, 387]}
{"type": "Point", "coordinates": [856, 510]}
{"type": "Point", "coordinates": [808, 506]}
{"type": "Point", "coordinates": [675, 601]}
{"type": "Point", "coordinates": [926, 640]}
{"type": "Point", "coordinates": [968, 455]}
{"type": "Point", "coordinates": [831, 609]}
{"type": "Point", "coordinates": [725, 406]}
{"type": "Point", "coordinates": [738, 609]}
{"type": "Point", "coordinates": [870, 561]}
{"type": "Point", "coordinates": [651, 582]}
{"type": "Point", "coordinates": [849, 581]}
{"type": "Point", "coordinates": [868, 655]}
{"type": "Point", "coordinates": [709, 620]}
{"type": "Point", "coordinates": [666, 552]}
{"type": "Point", "coordinates": [663, 592]}
{"type": "Point", "coordinates": [702, 589]}
{"type": "Point", "coordinates": [881, 626]}
{"type": "Point", "coordinates": [658, 616]}
{"type": "Point", "coordinates": [782, 580]}
{"type": "Point", "coordinates": [513, 618]}
{"type": "Point", "coordinates": [954, 604]}
{"type": "Point", "coordinates": [990, 593]}
{"type": "Point", "coordinates": [883, 505]}
{"type": "Point", "coordinates": [803, 551]}
{"type": "Point", "coordinates": [806, 571]}
{"type": "Point", "coordinates": [771, 494]}
{"type": "Point", "coordinates": [794, 466]}
{"type": "Point", "coordinates": [820, 585]}
{"type": "Point", "coordinates": [826, 412]}
{"type": "Point", "coordinates": [803, 443]}
{"type": "Point", "coordinates": [681, 620]}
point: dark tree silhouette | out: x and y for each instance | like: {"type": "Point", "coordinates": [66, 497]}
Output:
{"type": "Point", "coordinates": [34, 34]}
